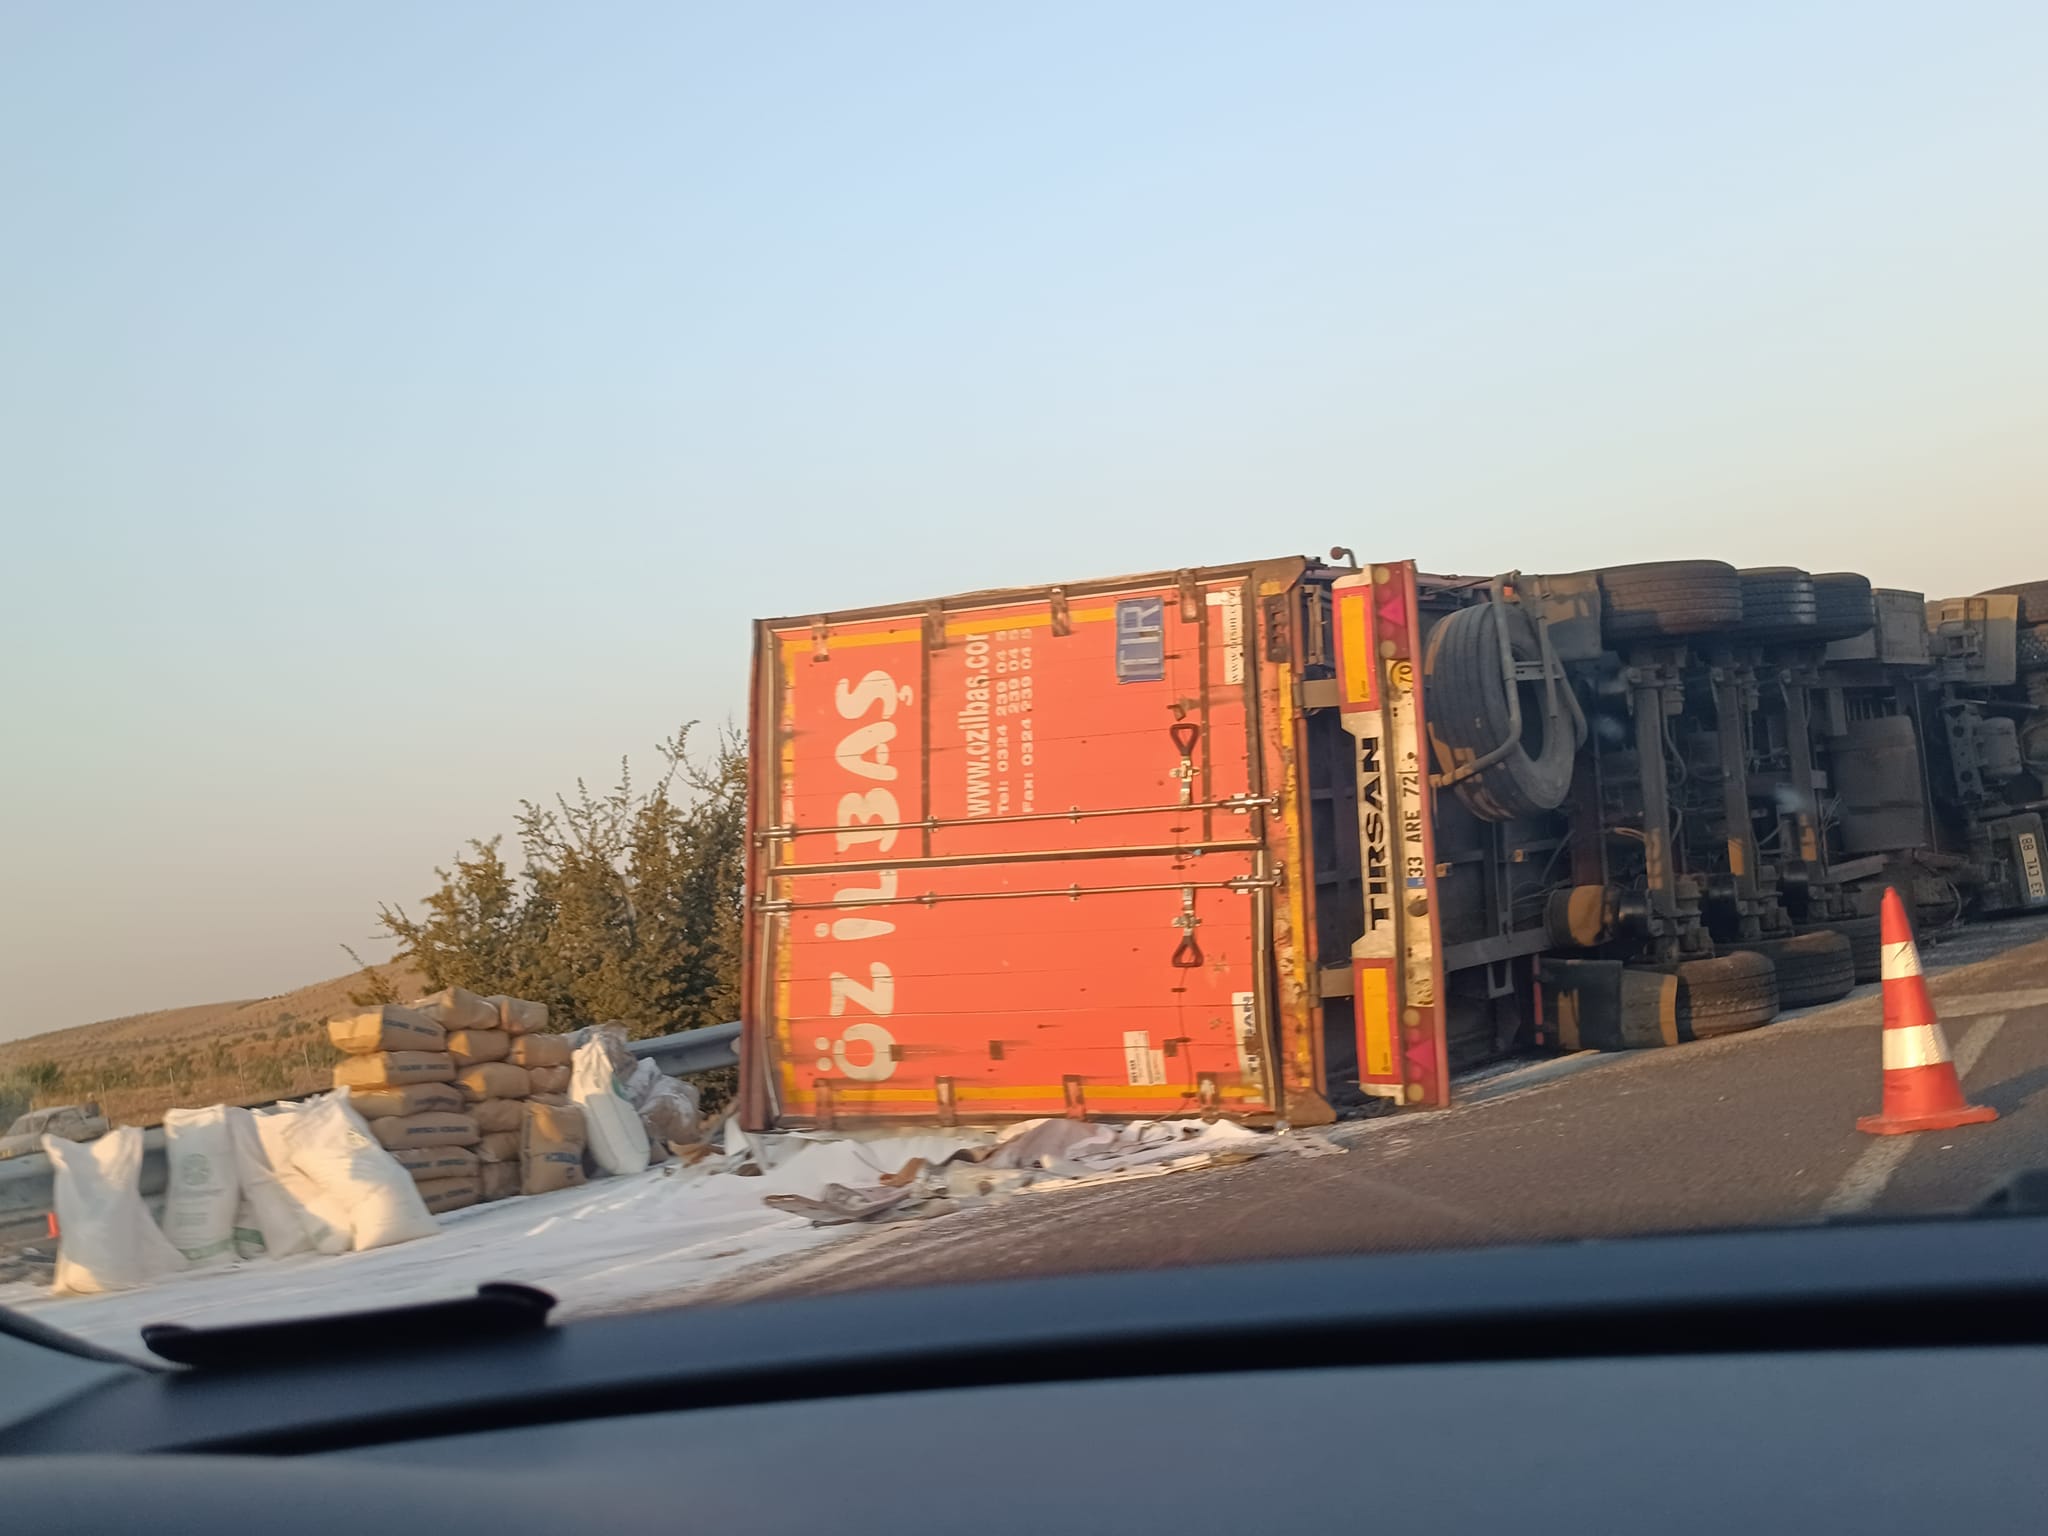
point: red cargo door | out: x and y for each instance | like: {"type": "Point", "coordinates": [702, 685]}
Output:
{"type": "Point", "coordinates": [1012, 862]}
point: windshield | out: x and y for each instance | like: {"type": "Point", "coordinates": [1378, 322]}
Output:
{"type": "Point", "coordinates": [697, 654]}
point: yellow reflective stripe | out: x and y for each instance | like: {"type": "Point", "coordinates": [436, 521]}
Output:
{"type": "Point", "coordinates": [1375, 1002]}
{"type": "Point", "coordinates": [1354, 626]}
{"type": "Point", "coordinates": [1099, 1088]}
{"type": "Point", "coordinates": [979, 624]}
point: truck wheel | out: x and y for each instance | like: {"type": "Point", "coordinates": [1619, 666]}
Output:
{"type": "Point", "coordinates": [2033, 648]}
{"type": "Point", "coordinates": [1726, 995]}
{"type": "Point", "coordinates": [1866, 953]}
{"type": "Point", "coordinates": [1816, 967]}
{"type": "Point", "coordinates": [1702, 999]}
{"type": "Point", "coordinates": [1778, 603]}
{"type": "Point", "coordinates": [1844, 605]}
{"type": "Point", "coordinates": [1468, 715]}
{"type": "Point", "coordinates": [1668, 598]}
{"type": "Point", "coordinates": [2033, 596]}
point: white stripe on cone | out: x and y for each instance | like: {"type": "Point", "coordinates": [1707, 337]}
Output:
{"type": "Point", "coordinates": [1914, 1045]}
{"type": "Point", "coordinates": [1899, 961]}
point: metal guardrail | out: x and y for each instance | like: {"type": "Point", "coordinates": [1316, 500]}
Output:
{"type": "Point", "coordinates": [26, 1182]}
{"type": "Point", "coordinates": [693, 1050]}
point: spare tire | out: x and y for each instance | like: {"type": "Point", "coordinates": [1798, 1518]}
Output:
{"type": "Point", "coordinates": [1844, 605]}
{"type": "Point", "coordinates": [1468, 715]}
{"type": "Point", "coordinates": [1814, 967]}
{"type": "Point", "coordinates": [2033, 596]}
{"type": "Point", "coordinates": [1700, 1000]}
{"type": "Point", "coordinates": [1668, 599]}
{"type": "Point", "coordinates": [1866, 951]}
{"type": "Point", "coordinates": [1778, 603]}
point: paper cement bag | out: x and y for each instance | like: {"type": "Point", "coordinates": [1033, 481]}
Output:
{"type": "Point", "coordinates": [494, 1115]}
{"type": "Point", "coordinates": [441, 1130]}
{"type": "Point", "coordinates": [470, 1047]}
{"type": "Point", "coordinates": [452, 1008]}
{"type": "Point", "coordinates": [517, 1017]}
{"type": "Point", "coordinates": [389, 1028]}
{"type": "Point", "coordinates": [541, 1051]}
{"type": "Point", "coordinates": [442, 1195]}
{"type": "Point", "coordinates": [494, 1080]}
{"type": "Point", "coordinates": [412, 1099]}
{"type": "Point", "coordinates": [425, 1163]}
{"type": "Point", "coordinates": [394, 1069]}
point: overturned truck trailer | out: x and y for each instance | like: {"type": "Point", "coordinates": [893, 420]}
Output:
{"type": "Point", "coordinates": [1267, 840]}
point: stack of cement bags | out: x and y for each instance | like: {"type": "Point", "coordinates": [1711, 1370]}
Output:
{"type": "Point", "coordinates": [498, 1096]}
{"type": "Point", "coordinates": [549, 1144]}
{"type": "Point", "coordinates": [508, 1078]}
{"type": "Point", "coordinates": [552, 1138]}
{"type": "Point", "coordinates": [401, 1077]}
{"type": "Point", "coordinates": [484, 1030]}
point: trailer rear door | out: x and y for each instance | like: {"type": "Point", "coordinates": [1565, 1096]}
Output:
{"type": "Point", "coordinates": [1010, 858]}
{"type": "Point", "coordinates": [1397, 959]}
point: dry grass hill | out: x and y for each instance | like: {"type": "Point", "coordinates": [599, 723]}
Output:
{"type": "Point", "coordinates": [239, 1052]}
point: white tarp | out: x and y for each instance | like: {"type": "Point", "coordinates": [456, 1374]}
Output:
{"type": "Point", "coordinates": [654, 1236]}
{"type": "Point", "coordinates": [603, 1246]}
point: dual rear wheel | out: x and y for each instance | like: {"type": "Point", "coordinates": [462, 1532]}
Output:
{"type": "Point", "coordinates": [1740, 990]}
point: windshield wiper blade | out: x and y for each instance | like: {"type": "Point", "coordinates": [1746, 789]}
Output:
{"type": "Point", "coordinates": [498, 1310]}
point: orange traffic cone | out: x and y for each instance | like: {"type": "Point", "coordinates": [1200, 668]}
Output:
{"type": "Point", "coordinates": [1921, 1089]}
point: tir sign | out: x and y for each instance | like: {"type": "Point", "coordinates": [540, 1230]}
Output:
{"type": "Point", "coordinates": [1358, 672]}
{"type": "Point", "coordinates": [1141, 640]}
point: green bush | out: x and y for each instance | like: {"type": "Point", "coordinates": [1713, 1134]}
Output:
{"type": "Point", "coordinates": [626, 906]}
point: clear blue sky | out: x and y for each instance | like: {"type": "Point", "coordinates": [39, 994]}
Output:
{"type": "Point", "coordinates": [403, 409]}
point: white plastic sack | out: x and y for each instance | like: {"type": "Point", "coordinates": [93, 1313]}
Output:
{"type": "Point", "coordinates": [668, 1110]}
{"type": "Point", "coordinates": [617, 1139]}
{"type": "Point", "coordinates": [334, 1148]}
{"type": "Point", "coordinates": [106, 1240]}
{"type": "Point", "coordinates": [203, 1187]}
{"type": "Point", "coordinates": [270, 1221]}
{"type": "Point", "coordinates": [248, 1227]}
{"type": "Point", "coordinates": [637, 1081]}
{"type": "Point", "coordinates": [325, 1219]}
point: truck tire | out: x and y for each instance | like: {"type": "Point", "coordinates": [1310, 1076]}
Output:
{"type": "Point", "coordinates": [1468, 715]}
{"type": "Point", "coordinates": [1726, 995]}
{"type": "Point", "coordinates": [1866, 952]}
{"type": "Point", "coordinates": [1778, 603]}
{"type": "Point", "coordinates": [1702, 999]}
{"type": "Point", "coordinates": [1815, 967]}
{"type": "Point", "coordinates": [1845, 608]}
{"type": "Point", "coordinates": [1667, 599]}
{"type": "Point", "coordinates": [2033, 648]}
{"type": "Point", "coordinates": [2033, 596]}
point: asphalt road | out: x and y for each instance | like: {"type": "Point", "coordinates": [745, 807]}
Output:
{"type": "Point", "coordinates": [1753, 1129]}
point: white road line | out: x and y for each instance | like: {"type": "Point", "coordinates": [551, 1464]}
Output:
{"type": "Point", "coordinates": [1867, 1177]}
